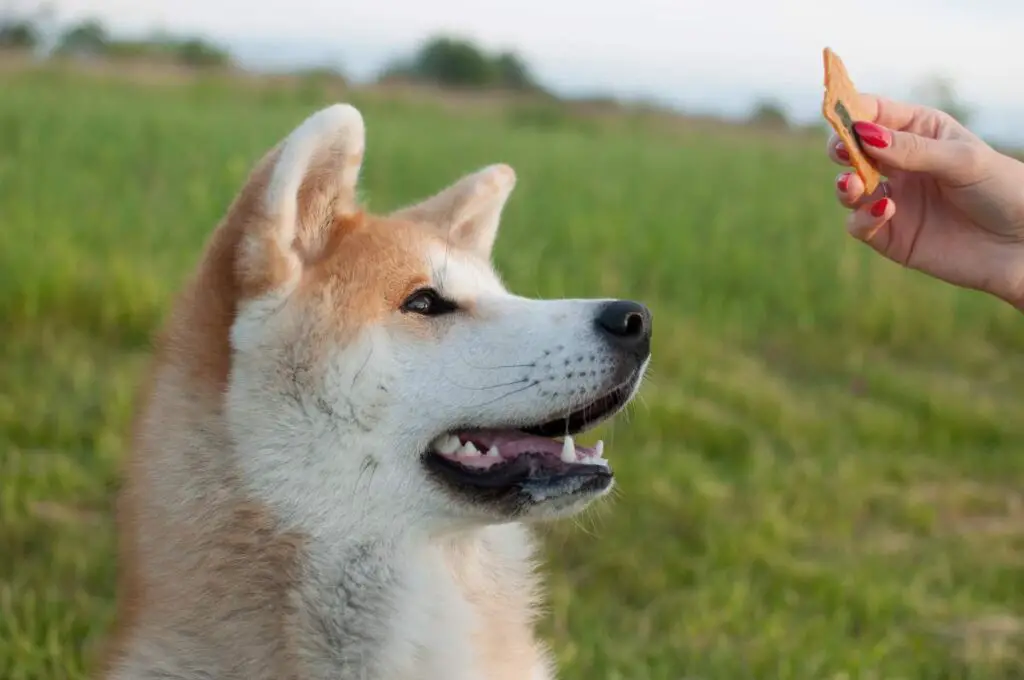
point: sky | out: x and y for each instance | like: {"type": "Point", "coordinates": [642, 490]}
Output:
{"type": "Point", "coordinates": [706, 56]}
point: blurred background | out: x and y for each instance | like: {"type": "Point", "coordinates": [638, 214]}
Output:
{"type": "Point", "coordinates": [824, 476]}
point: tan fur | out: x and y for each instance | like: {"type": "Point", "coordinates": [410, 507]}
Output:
{"type": "Point", "coordinates": [506, 643]}
{"type": "Point", "coordinates": [227, 544]}
{"type": "Point", "coordinates": [194, 550]}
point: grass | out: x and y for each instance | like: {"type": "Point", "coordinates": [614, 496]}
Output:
{"type": "Point", "coordinates": [823, 479]}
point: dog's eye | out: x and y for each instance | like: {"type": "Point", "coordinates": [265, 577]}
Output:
{"type": "Point", "coordinates": [428, 302]}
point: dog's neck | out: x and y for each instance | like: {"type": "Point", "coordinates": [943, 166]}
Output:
{"type": "Point", "coordinates": [377, 609]}
{"type": "Point", "coordinates": [219, 583]}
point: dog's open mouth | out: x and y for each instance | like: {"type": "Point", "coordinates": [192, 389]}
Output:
{"type": "Point", "coordinates": [543, 460]}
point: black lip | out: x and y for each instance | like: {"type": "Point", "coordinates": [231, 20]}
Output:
{"type": "Point", "coordinates": [529, 478]}
{"type": "Point", "coordinates": [589, 415]}
{"type": "Point", "coordinates": [522, 481]}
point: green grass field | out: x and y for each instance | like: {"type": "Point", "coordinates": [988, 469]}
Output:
{"type": "Point", "coordinates": [822, 480]}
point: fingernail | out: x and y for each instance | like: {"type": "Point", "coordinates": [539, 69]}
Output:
{"type": "Point", "coordinates": [879, 207]}
{"type": "Point", "coordinates": [873, 135]}
{"type": "Point", "coordinates": [843, 181]}
{"type": "Point", "coordinates": [842, 153]}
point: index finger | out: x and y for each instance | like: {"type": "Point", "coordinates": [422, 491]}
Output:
{"type": "Point", "coordinates": [888, 113]}
{"type": "Point", "coordinates": [893, 114]}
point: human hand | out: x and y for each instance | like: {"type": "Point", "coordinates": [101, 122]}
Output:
{"type": "Point", "coordinates": [951, 207]}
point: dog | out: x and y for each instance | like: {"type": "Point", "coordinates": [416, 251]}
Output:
{"type": "Point", "coordinates": [348, 428]}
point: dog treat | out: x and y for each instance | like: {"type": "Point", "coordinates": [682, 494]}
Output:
{"type": "Point", "coordinates": [841, 108]}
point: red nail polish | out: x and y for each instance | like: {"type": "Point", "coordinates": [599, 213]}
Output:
{"type": "Point", "coordinates": [872, 134]}
{"type": "Point", "coordinates": [842, 153]}
{"type": "Point", "coordinates": [843, 182]}
{"type": "Point", "coordinates": [879, 207]}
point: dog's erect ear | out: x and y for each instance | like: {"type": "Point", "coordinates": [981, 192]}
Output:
{"type": "Point", "coordinates": [467, 212]}
{"type": "Point", "coordinates": [314, 178]}
{"type": "Point", "coordinates": [308, 185]}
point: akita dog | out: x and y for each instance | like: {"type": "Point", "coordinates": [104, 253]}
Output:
{"type": "Point", "coordinates": [348, 429]}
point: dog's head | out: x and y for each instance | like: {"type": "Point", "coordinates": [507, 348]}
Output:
{"type": "Point", "coordinates": [379, 367]}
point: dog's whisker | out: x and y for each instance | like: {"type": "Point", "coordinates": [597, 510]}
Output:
{"type": "Point", "coordinates": [341, 448]}
{"type": "Point", "coordinates": [509, 394]}
{"type": "Point", "coordinates": [484, 388]}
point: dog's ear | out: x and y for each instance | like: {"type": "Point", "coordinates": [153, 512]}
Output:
{"type": "Point", "coordinates": [304, 189]}
{"type": "Point", "coordinates": [467, 212]}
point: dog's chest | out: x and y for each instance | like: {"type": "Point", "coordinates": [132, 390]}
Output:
{"type": "Point", "coordinates": [391, 614]}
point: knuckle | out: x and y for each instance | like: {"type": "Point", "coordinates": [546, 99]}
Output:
{"type": "Point", "coordinates": [909, 145]}
{"type": "Point", "coordinates": [971, 160]}
{"type": "Point", "coordinates": [945, 120]}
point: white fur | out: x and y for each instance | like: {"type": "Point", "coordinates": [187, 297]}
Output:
{"type": "Point", "coordinates": [389, 395]}
{"type": "Point", "coordinates": [339, 129]}
{"type": "Point", "coordinates": [473, 204]}
{"type": "Point", "coordinates": [329, 437]}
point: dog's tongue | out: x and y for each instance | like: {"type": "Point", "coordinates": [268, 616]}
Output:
{"type": "Point", "coordinates": [512, 443]}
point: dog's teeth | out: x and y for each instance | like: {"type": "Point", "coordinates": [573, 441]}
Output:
{"type": "Point", "coordinates": [447, 444]}
{"type": "Point", "coordinates": [598, 450]}
{"type": "Point", "coordinates": [493, 452]}
{"type": "Point", "coordinates": [568, 450]}
{"type": "Point", "coordinates": [468, 449]}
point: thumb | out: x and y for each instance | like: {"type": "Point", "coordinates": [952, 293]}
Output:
{"type": "Point", "coordinates": [946, 159]}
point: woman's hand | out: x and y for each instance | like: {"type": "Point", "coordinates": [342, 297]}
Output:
{"type": "Point", "coordinates": [952, 206]}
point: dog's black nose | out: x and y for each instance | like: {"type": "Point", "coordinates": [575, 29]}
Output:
{"type": "Point", "coordinates": [626, 324]}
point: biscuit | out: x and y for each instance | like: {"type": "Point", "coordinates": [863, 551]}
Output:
{"type": "Point", "coordinates": [841, 108]}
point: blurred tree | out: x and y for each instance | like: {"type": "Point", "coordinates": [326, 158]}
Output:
{"type": "Point", "coordinates": [199, 53]}
{"type": "Point", "coordinates": [453, 62]}
{"type": "Point", "coordinates": [86, 38]}
{"type": "Point", "coordinates": [25, 29]}
{"type": "Point", "coordinates": [513, 73]}
{"type": "Point", "coordinates": [161, 47]}
{"type": "Point", "coordinates": [769, 113]}
{"type": "Point", "coordinates": [18, 34]}
{"type": "Point", "coordinates": [456, 62]}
